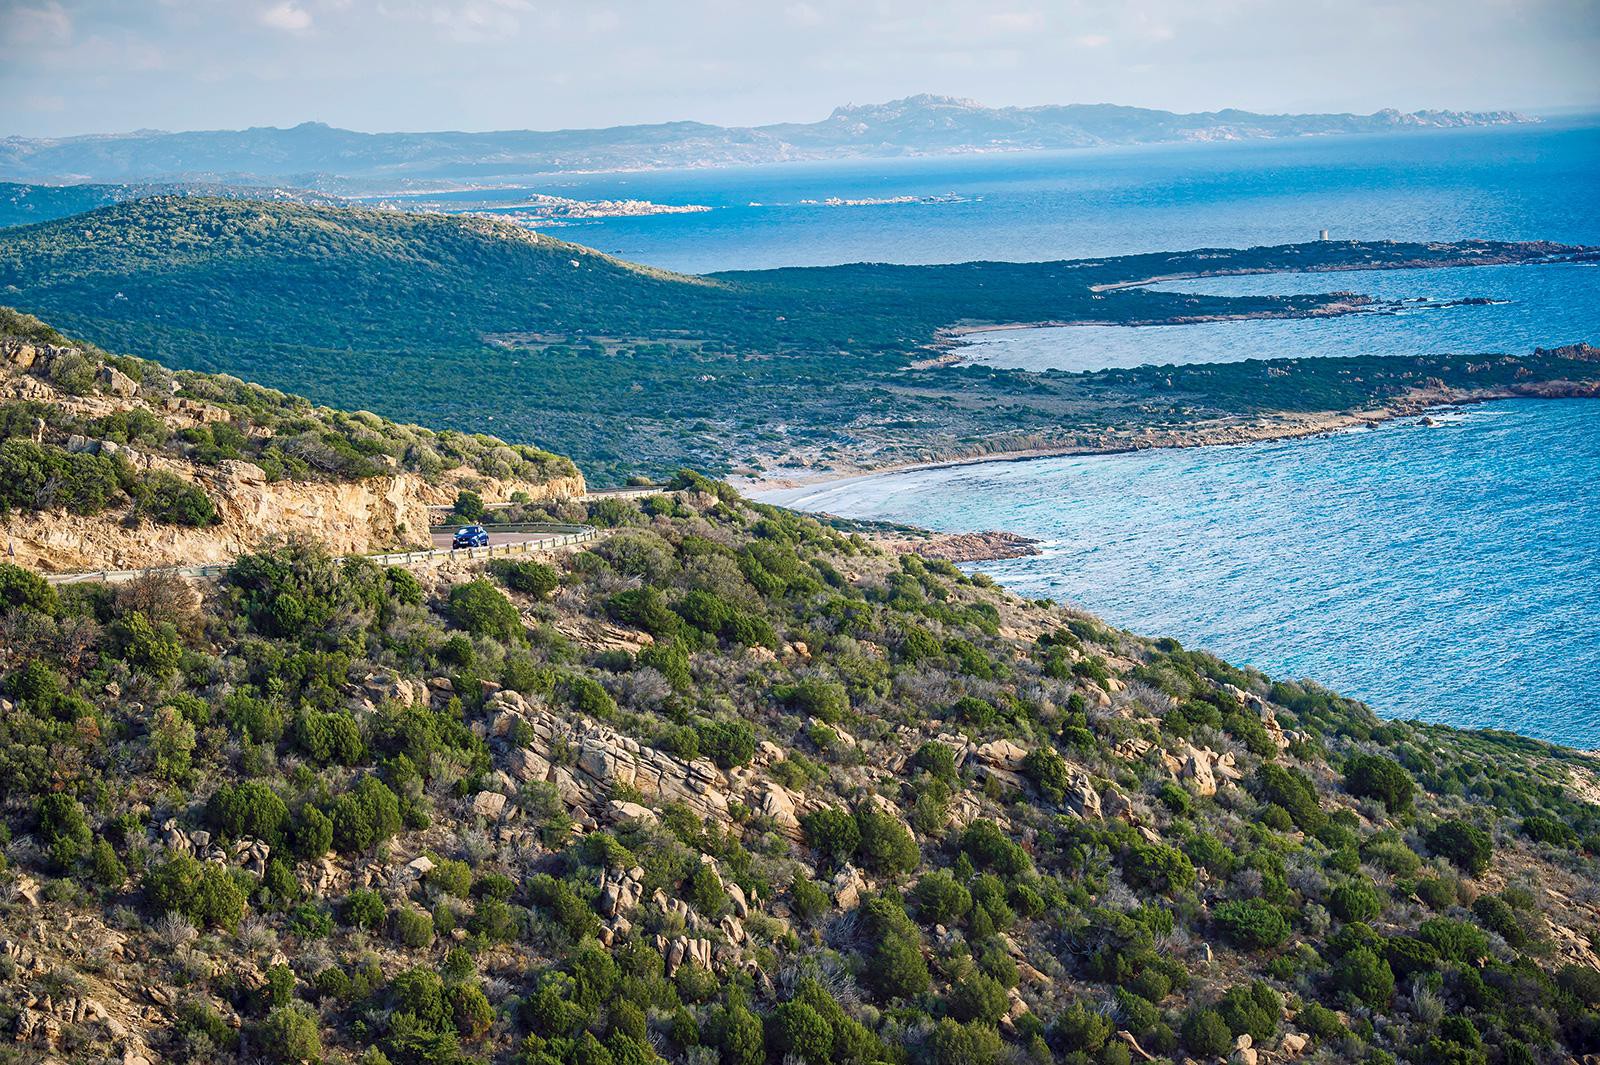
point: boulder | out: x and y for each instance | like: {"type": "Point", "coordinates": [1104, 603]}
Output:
{"type": "Point", "coordinates": [489, 804]}
{"type": "Point", "coordinates": [1002, 754]}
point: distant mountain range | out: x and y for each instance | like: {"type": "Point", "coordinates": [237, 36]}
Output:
{"type": "Point", "coordinates": [316, 156]}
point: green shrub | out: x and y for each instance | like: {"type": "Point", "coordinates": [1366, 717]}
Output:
{"type": "Point", "coordinates": [1254, 1010]}
{"type": "Point", "coordinates": [411, 927]}
{"type": "Point", "coordinates": [1355, 900]}
{"type": "Point", "coordinates": [940, 899]}
{"type": "Point", "coordinates": [1464, 844]}
{"type": "Point", "coordinates": [1206, 1034]}
{"type": "Point", "coordinates": [481, 609]}
{"type": "Point", "coordinates": [290, 1034]}
{"type": "Point", "coordinates": [22, 589]}
{"type": "Point", "coordinates": [1371, 776]}
{"type": "Point", "coordinates": [1251, 923]}
{"type": "Point", "coordinates": [886, 846]}
{"type": "Point", "coordinates": [533, 578]}
{"type": "Point", "coordinates": [1292, 791]}
{"type": "Point", "coordinates": [728, 743]}
{"type": "Point", "coordinates": [204, 893]}
{"type": "Point", "coordinates": [167, 499]}
{"type": "Point", "coordinates": [832, 833]}
{"type": "Point", "coordinates": [247, 809]}
{"type": "Point", "coordinates": [799, 1030]}
{"type": "Point", "coordinates": [1158, 867]}
{"type": "Point", "coordinates": [1365, 977]}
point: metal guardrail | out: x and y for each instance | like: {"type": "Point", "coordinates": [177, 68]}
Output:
{"type": "Point", "coordinates": [560, 536]}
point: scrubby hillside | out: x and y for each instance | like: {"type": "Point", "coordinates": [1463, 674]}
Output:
{"type": "Point", "coordinates": [733, 787]}
{"type": "Point", "coordinates": [113, 462]}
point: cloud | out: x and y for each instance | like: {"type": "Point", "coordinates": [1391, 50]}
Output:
{"type": "Point", "coordinates": [1017, 21]}
{"type": "Point", "coordinates": [287, 16]}
{"type": "Point", "coordinates": [1091, 40]}
{"type": "Point", "coordinates": [47, 23]}
{"type": "Point", "coordinates": [802, 14]}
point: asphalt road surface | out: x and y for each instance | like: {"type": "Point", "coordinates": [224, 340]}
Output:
{"type": "Point", "coordinates": [442, 539]}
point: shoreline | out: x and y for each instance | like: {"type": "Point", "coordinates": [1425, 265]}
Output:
{"type": "Point", "coordinates": [1417, 404]}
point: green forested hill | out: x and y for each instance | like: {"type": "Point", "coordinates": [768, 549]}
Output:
{"type": "Point", "coordinates": [474, 324]}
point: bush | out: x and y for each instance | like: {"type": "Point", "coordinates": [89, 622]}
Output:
{"type": "Point", "coordinates": [1251, 923]}
{"type": "Point", "coordinates": [832, 833]}
{"type": "Point", "coordinates": [728, 743]}
{"type": "Point", "coordinates": [365, 816]}
{"type": "Point", "coordinates": [1365, 977]}
{"type": "Point", "coordinates": [481, 609]}
{"type": "Point", "coordinates": [1254, 1010]}
{"type": "Point", "coordinates": [1355, 900]}
{"type": "Point", "coordinates": [22, 589]}
{"type": "Point", "coordinates": [800, 1030]}
{"type": "Point", "coordinates": [1372, 776]}
{"type": "Point", "coordinates": [897, 969]}
{"type": "Point", "coordinates": [202, 892]}
{"type": "Point", "coordinates": [1292, 791]}
{"type": "Point", "coordinates": [940, 899]}
{"type": "Point", "coordinates": [1048, 771]}
{"type": "Point", "coordinates": [247, 809]}
{"type": "Point", "coordinates": [1466, 845]}
{"type": "Point", "coordinates": [977, 997]}
{"type": "Point", "coordinates": [363, 909]}
{"type": "Point", "coordinates": [1455, 940]}
{"type": "Point", "coordinates": [63, 829]}
{"type": "Point", "coordinates": [290, 1034]}
{"type": "Point", "coordinates": [411, 927]}
{"type": "Point", "coordinates": [1158, 867]}
{"type": "Point", "coordinates": [170, 500]}
{"type": "Point", "coordinates": [533, 578]}
{"type": "Point", "coordinates": [887, 847]}
{"type": "Point", "coordinates": [1206, 1034]}
{"type": "Point", "coordinates": [964, 1044]}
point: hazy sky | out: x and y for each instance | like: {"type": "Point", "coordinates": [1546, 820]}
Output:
{"type": "Point", "coordinates": [76, 66]}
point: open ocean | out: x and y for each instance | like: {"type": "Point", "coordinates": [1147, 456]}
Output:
{"type": "Point", "coordinates": [1447, 572]}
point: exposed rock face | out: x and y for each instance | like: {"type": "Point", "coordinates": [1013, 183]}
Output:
{"type": "Point", "coordinates": [605, 758]}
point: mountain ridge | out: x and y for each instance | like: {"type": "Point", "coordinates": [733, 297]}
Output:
{"type": "Point", "coordinates": [330, 159]}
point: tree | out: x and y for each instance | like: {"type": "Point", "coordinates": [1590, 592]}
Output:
{"type": "Point", "coordinates": [63, 829]}
{"type": "Point", "coordinates": [469, 505]}
{"type": "Point", "coordinates": [172, 742]}
{"type": "Point", "coordinates": [1372, 776]}
{"type": "Point", "coordinates": [728, 743]}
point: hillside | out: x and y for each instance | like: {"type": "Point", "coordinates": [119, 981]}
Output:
{"type": "Point", "coordinates": [110, 462]}
{"type": "Point", "coordinates": [475, 325]}
{"type": "Point", "coordinates": [22, 205]}
{"type": "Point", "coordinates": [734, 787]}
{"type": "Point", "coordinates": [337, 160]}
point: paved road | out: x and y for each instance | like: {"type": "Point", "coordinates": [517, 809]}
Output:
{"type": "Point", "coordinates": [442, 539]}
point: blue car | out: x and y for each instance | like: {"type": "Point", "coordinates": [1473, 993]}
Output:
{"type": "Point", "coordinates": [470, 536]}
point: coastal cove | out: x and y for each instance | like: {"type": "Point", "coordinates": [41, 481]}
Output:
{"type": "Point", "coordinates": [1439, 568]}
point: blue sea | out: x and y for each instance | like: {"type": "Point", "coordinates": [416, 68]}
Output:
{"type": "Point", "coordinates": [1449, 572]}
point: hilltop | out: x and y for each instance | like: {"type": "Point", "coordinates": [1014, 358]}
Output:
{"type": "Point", "coordinates": [319, 156]}
{"type": "Point", "coordinates": [732, 786]}
{"type": "Point", "coordinates": [111, 462]}
{"type": "Point", "coordinates": [478, 325]}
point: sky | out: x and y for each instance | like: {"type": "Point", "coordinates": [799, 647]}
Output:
{"type": "Point", "coordinates": [95, 66]}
